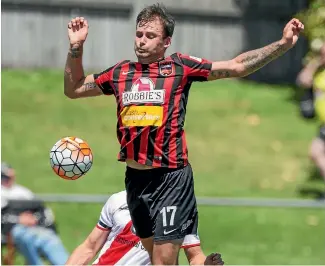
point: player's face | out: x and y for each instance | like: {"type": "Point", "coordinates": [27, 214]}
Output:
{"type": "Point", "coordinates": [150, 43]}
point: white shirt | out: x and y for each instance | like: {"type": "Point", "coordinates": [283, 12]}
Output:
{"type": "Point", "coordinates": [16, 192]}
{"type": "Point", "coordinates": [123, 247]}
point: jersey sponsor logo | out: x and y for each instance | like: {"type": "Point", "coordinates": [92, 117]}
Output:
{"type": "Point", "coordinates": [196, 58]}
{"type": "Point", "coordinates": [130, 243]}
{"type": "Point", "coordinates": [143, 91]}
{"type": "Point", "coordinates": [165, 68]}
{"type": "Point", "coordinates": [126, 241]}
{"type": "Point", "coordinates": [141, 116]}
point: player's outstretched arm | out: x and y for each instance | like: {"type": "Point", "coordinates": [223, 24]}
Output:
{"type": "Point", "coordinates": [195, 256]}
{"type": "Point", "coordinates": [86, 252]}
{"type": "Point", "coordinates": [251, 61]}
{"type": "Point", "coordinates": [76, 84]}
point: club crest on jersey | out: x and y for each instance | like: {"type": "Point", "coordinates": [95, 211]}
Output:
{"type": "Point", "coordinates": [165, 68]}
{"type": "Point", "coordinates": [143, 91]}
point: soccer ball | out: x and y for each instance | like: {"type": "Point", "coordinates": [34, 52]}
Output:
{"type": "Point", "coordinates": [71, 158]}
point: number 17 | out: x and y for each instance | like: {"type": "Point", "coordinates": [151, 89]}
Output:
{"type": "Point", "coordinates": [164, 211]}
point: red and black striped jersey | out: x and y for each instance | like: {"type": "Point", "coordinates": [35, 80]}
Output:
{"type": "Point", "coordinates": [151, 107]}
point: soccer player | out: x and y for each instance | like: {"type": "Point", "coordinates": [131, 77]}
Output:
{"type": "Point", "coordinates": [115, 235]}
{"type": "Point", "coordinates": [151, 96]}
{"type": "Point", "coordinates": [312, 77]}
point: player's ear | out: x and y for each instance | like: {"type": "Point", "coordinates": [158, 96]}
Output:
{"type": "Point", "coordinates": [167, 42]}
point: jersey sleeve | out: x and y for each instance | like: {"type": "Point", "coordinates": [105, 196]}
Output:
{"type": "Point", "coordinates": [191, 241]}
{"type": "Point", "coordinates": [104, 81]}
{"type": "Point", "coordinates": [197, 69]}
{"type": "Point", "coordinates": [106, 216]}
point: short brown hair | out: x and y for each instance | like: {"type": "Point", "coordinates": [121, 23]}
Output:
{"type": "Point", "coordinates": [149, 13]}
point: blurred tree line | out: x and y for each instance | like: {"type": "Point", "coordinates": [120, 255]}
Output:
{"type": "Point", "coordinates": [314, 20]}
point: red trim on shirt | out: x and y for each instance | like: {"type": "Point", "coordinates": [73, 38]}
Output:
{"type": "Point", "coordinates": [119, 248]}
{"type": "Point", "coordinates": [102, 228]}
{"type": "Point", "coordinates": [191, 245]}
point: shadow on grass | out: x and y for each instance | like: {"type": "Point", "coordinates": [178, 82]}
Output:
{"type": "Point", "coordinates": [311, 188]}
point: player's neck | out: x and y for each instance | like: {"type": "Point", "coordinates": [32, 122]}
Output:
{"type": "Point", "coordinates": [151, 60]}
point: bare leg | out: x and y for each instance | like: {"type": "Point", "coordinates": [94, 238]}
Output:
{"type": "Point", "coordinates": [166, 252]}
{"type": "Point", "coordinates": [148, 245]}
{"type": "Point", "coordinates": [317, 154]}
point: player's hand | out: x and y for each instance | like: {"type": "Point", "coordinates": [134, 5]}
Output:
{"type": "Point", "coordinates": [214, 259]}
{"type": "Point", "coordinates": [291, 32]}
{"type": "Point", "coordinates": [77, 31]}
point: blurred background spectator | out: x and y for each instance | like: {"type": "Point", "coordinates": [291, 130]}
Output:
{"type": "Point", "coordinates": [312, 80]}
{"type": "Point", "coordinates": [28, 222]}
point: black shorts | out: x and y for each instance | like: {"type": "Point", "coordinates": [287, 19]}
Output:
{"type": "Point", "coordinates": [162, 202]}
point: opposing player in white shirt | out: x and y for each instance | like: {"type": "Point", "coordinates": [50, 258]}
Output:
{"type": "Point", "coordinates": [114, 234]}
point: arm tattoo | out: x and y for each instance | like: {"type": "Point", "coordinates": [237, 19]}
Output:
{"type": "Point", "coordinates": [89, 86]}
{"type": "Point", "coordinates": [73, 72]}
{"type": "Point", "coordinates": [68, 73]}
{"type": "Point", "coordinates": [75, 52]}
{"type": "Point", "coordinates": [254, 60]}
{"type": "Point", "coordinates": [220, 74]}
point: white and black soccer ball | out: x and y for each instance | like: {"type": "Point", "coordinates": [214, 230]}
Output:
{"type": "Point", "coordinates": [71, 158]}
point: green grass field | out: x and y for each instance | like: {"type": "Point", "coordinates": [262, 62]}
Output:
{"type": "Point", "coordinates": [245, 140]}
